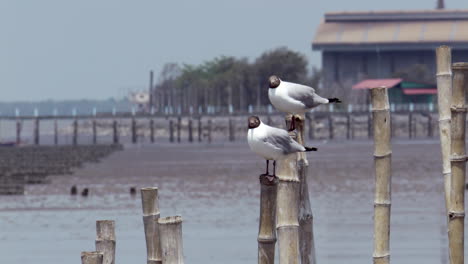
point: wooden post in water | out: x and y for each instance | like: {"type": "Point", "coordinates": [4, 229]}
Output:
{"type": "Point", "coordinates": [287, 212]}
{"type": "Point", "coordinates": [210, 126]}
{"type": "Point", "coordinates": [330, 126]}
{"type": "Point", "coordinates": [231, 130]}
{"type": "Point", "coordinates": [429, 125]}
{"type": "Point", "coordinates": [444, 95]}
{"type": "Point", "coordinates": [190, 130]}
{"type": "Point", "coordinates": [171, 130]}
{"type": "Point", "coordinates": [134, 131]}
{"type": "Point", "coordinates": [267, 226]}
{"type": "Point", "coordinates": [55, 132]}
{"type": "Point", "coordinates": [306, 219]}
{"type": "Point", "coordinates": [410, 125]}
{"type": "Point", "coordinates": [18, 131]}
{"type": "Point", "coordinates": [369, 125]}
{"type": "Point", "coordinates": [116, 132]}
{"type": "Point", "coordinates": [456, 214]}
{"type": "Point", "coordinates": [170, 231]}
{"type": "Point", "coordinates": [200, 129]}
{"type": "Point", "coordinates": [382, 161]}
{"type": "Point", "coordinates": [348, 126]}
{"type": "Point", "coordinates": [94, 132]}
{"type": "Point", "coordinates": [150, 205]}
{"type": "Point", "coordinates": [179, 128]}
{"type": "Point", "coordinates": [75, 132]}
{"type": "Point", "coordinates": [36, 131]}
{"type": "Point", "coordinates": [105, 240]}
{"type": "Point", "coordinates": [151, 125]}
{"type": "Point", "coordinates": [93, 257]}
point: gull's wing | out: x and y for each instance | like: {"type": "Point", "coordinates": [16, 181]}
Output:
{"type": "Point", "coordinates": [304, 94]}
{"type": "Point", "coordinates": [280, 139]}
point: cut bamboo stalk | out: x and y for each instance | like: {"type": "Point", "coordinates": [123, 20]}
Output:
{"type": "Point", "coordinates": [456, 213]}
{"type": "Point", "coordinates": [170, 231]}
{"type": "Point", "coordinates": [287, 210]}
{"type": "Point", "coordinates": [105, 240]}
{"type": "Point", "coordinates": [267, 226]}
{"type": "Point", "coordinates": [75, 132]}
{"type": "Point", "coordinates": [444, 95]}
{"type": "Point", "coordinates": [151, 124]}
{"type": "Point", "coordinates": [116, 132]}
{"type": "Point", "coordinates": [94, 132]}
{"type": "Point", "coordinates": [306, 219]}
{"type": "Point", "coordinates": [382, 161]}
{"type": "Point", "coordinates": [92, 257]}
{"type": "Point", "coordinates": [150, 205]}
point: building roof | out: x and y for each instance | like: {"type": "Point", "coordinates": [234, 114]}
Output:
{"type": "Point", "coordinates": [392, 30]}
{"type": "Point", "coordinates": [373, 83]}
{"type": "Point", "coordinates": [409, 88]}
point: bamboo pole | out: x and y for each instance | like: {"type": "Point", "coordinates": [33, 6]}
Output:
{"type": "Point", "coordinates": [94, 132]}
{"type": "Point", "coordinates": [456, 211]}
{"type": "Point", "coordinates": [105, 240]}
{"type": "Point", "coordinates": [382, 161]}
{"type": "Point", "coordinates": [93, 257]}
{"type": "Point", "coordinates": [36, 131]}
{"type": "Point", "coordinates": [75, 132]}
{"type": "Point", "coordinates": [55, 132]}
{"type": "Point", "coordinates": [170, 231]}
{"type": "Point", "coordinates": [179, 128]}
{"type": "Point", "coordinates": [150, 205]}
{"type": "Point", "coordinates": [18, 131]}
{"type": "Point", "coordinates": [444, 94]}
{"type": "Point", "coordinates": [306, 219]}
{"type": "Point", "coordinates": [134, 131]}
{"type": "Point", "coordinates": [267, 226]}
{"type": "Point", "coordinates": [190, 130]}
{"type": "Point", "coordinates": [287, 210]}
{"type": "Point", "coordinates": [171, 130]}
{"type": "Point", "coordinates": [116, 132]}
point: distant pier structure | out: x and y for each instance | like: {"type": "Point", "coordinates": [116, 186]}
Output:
{"type": "Point", "coordinates": [373, 45]}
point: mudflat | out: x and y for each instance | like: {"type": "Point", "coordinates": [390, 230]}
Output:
{"type": "Point", "coordinates": [216, 190]}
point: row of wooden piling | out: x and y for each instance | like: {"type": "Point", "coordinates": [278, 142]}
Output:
{"type": "Point", "coordinates": [163, 235]}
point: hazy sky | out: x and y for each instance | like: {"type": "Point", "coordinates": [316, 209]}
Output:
{"type": "Point", "coordinates": [63, 49]}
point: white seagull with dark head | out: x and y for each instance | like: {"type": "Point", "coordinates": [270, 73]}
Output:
{"type": "Point", "coordinates": [294, 98]}
{"type": "Point", "coordinates": [271, 143]}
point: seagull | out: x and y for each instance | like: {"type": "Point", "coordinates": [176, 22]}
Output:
{"type": "Point", "coordinates": [294, 98]}
{"type": "Point", "coordinates": [271, 143]}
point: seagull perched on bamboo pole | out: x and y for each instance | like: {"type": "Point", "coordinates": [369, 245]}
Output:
{"type": "Point", "coordinates": [271, 143]}
{"type": "Point", "coordinates": [294, 98]}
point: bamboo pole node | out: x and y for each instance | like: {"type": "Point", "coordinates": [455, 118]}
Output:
{"type": "Point", "coordinates": [385, 204]}
{"type": "Point", "coordinates": [170, 220]}
{"type": "Point", "coordinates": [380, 156]}
{"type": "Point", "coordinates": [453, 215]}
{"type": "Point", "coordinates": [463, 66]}
{"type": "Point", "coordinates": [382, 257]}
{"type": "Point", "coordinates": [380, 110]}
{"type": "Point", "coordinates": [458, 109]}
{"type": "Point", "coordinates": [458, 158]}
{"type": "Point", "coordinates": [444, 74]}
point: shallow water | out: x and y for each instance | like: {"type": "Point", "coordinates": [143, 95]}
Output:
{"type": "Point", "coordinates": [215, 189]}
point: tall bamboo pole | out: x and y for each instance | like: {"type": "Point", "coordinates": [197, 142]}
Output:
{"type": "Point", "coordinates": [105, 240]}
{"type": "Point", "coordinates": [306, 219]}
{"type": "Point", "coordinates": [444, 95]}
{"type": "Point", "coordinates": [170, 231]}
{"type": "Point", "coordinates": [456, 212]}
{"type": "Point", "coordinates": [150, 205]}
{"type": "Point", "coordinates": [382, 161]}
{"type": "Point", "coordinates": [267, 226]}
{"type": "Point", "coordinates": [93, 257]}
{"type": "Point", "coordinates": [287, 210]}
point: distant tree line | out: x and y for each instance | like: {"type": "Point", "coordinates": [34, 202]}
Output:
{"type": "Point", "coordinates": [227, 83]}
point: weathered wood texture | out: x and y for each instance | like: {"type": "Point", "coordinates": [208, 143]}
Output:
{"type": "Point", "coordinates": [444, 97]}
{"type": "Point", "coordinates": [382, 161]}
{"type": "Point", "coordinates": [267, 226]}
{"type": "Point", "coordinates": [91, 257]}
{"type": "Point", "coordinates": [105, 240]}
{"type": "Point", "coordinates": [456, 214]}
{"type": "Point", "coordinates": [287, 210]}
{"type": "Point", "coordinates": [150, 205]}
{"type": "Point", "coordinates": [306, 220]}
{"type": "Point", "coordinates": [170, 231]}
